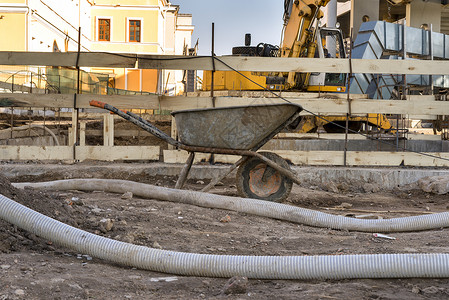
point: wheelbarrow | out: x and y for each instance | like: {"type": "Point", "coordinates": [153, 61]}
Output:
{"type": "Point", "coordinates": [239, 130]}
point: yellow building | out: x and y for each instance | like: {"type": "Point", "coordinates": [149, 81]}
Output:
{"type": "Point", "coordinates": [125, 26]}
{"type": "Point", "coordinates": [13, 13]}
{"type": "Point", "coordinates": [47, 26]}
{"type": "Point", "coordinates": [139, 27]}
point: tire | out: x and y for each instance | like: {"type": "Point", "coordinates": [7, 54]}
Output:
{"type": "Point", "coordinates": [250, 184]}
{"type": "Point", "coordinates": [244, 50]}
{"type": "Point", "coordinates": [332, 128]}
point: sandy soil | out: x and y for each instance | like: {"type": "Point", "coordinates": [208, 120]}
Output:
{"type": "Point", "coordinates": [32, 268]}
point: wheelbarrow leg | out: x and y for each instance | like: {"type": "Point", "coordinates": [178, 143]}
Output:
{"type": "Point", "coordinates": [217, 179]}
{"type": "Point", "coordinates": [185, 171]}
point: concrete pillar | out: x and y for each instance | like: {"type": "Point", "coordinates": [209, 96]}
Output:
{"type": "Point", "coordinates": [420, 12]}
{"type": "Point", "coordinates": [363, 11]}
{"type": "Point", "coordinates": [331, 17]}
{"type": "Point", "coordinates": [331, 14]}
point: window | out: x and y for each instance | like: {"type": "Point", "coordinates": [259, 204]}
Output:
{"type": "Point", "coordinates": [134, 31]}
{"type": "Point", "coordinates": [104, 30]}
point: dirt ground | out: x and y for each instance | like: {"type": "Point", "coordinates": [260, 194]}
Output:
{"type": "Point", "coordinates": [32, 268]}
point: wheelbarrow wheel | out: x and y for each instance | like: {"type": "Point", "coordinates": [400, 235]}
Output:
{"type": "Point", "coordinates": [257, 180]}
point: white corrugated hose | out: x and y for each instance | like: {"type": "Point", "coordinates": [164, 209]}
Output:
{"type": "Point", "coordinates": [251, 206]}
{"type": "Point", "coordinates": [190, 264]}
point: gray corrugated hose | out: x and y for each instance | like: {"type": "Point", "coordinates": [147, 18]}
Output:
{"type": "Point", "coordinates": [251, 206]}
{"type": "Point", "coordinates": [189, 264]}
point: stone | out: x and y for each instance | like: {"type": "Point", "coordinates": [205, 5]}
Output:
{"type": "Point", "coordinates": [127, 196]}
{"type": "Point", "coordinates": [19, 292]}
{"type": "Point", "coordinates": [75, 286]}
{"type": "Point", "coordinates": [225, 219]}
{"type": "Point", "coordinates": [430, 290]}
{"type": "Point", "coordinates": [236, 285]}
{"type": "Point", "coordinates": [435, 184]}
{"type": "Point", "coordinates": [331, 187]}
{"type": "Point", "coordinates": [345, 205]}
{"type": "Point", "coordinates": [370, 188]}
{"type": "Point", "coordinates": [97, 210]}
{"type": "Point", "coordinates": [156, 245]}
{"type": "Point", "coordinates": [107, 224]}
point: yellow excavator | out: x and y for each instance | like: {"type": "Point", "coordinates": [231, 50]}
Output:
{"type": "Point", "coordinates": [302, 36]}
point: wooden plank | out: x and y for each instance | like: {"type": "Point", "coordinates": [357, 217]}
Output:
{"type": "Point", "coordinates": [225, 63]}
{"type": "Point", "coordinates": [74, 132]}
{"type": "Point", "coordinates": [422, 105]}
{"type": "Point", "coordinates": [332, 158]}
{"type": "Point", "coordinates": [268, 94]}
{"type": "Point", "coordinates": [36, 153]}
{"type": "Point", "coordinates": [180, 157]}
{"type": "Point", "coordinates": [111, 153]}
{"type": "Point", "coordinates": [82, 153]}
{"type": "Point", "coordinates": [362, 158]}
{"type": "Point", "coordinates": [354, 158]}
{"type": "Point", "coordinates": [108, 130]}
{"type": "Point", "coordinates": [68, 59]}
{"type": "Point", "coordinates": [100, 113]}
{"type": "Point", "coordinates": [67, 100]}
{"type": "Point", "coordinates": [277, 64]}
{"type": "Point", "coordinates": [82, 133]}
{"type": "Point", "coordinates": [341, 136]}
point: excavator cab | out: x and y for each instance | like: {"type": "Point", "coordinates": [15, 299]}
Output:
{"type": "Point", "coordinates": [329, 45]}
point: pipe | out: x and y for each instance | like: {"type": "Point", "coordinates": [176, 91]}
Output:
{"type": "Point", "coordinates": [26, 127]}
{"type": "Point", "coordinates": [192, 264]}
{"type": "Point", "coordinates": [251, 206]}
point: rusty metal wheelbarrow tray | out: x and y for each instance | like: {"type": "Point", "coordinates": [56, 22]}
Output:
{"type": "Point", "coordinates": [238, 127]}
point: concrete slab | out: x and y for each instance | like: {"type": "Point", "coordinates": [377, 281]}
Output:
{"type": "Point", "coordinates": [387, 178]}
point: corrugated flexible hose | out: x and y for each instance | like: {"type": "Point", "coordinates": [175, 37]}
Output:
{"type": "Point", "coordinates": [251, 206]}
{"type": "Point", "coordinates": [262, 267]}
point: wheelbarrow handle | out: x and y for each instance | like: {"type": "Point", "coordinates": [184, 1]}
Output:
{"type": "Point", "coordinates": [97, 103]}
{"type": "Point", "coordinates": [133, 118]}
{"type": "Point", "coordinates": [103, 105]}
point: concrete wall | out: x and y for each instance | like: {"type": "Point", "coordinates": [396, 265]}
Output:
{"type": "Point", "coordinates": [361, 8]}
{"type": "Point", "coordinates": [356, 145]}
{"type": "Point", "coordinates": [428, 12]}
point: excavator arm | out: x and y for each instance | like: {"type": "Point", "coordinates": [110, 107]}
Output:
{"type": "Point", "coordinates": [299, 34]}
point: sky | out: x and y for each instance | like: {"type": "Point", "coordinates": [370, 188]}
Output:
{"type": "Point", "coordinates": [233, 19]}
